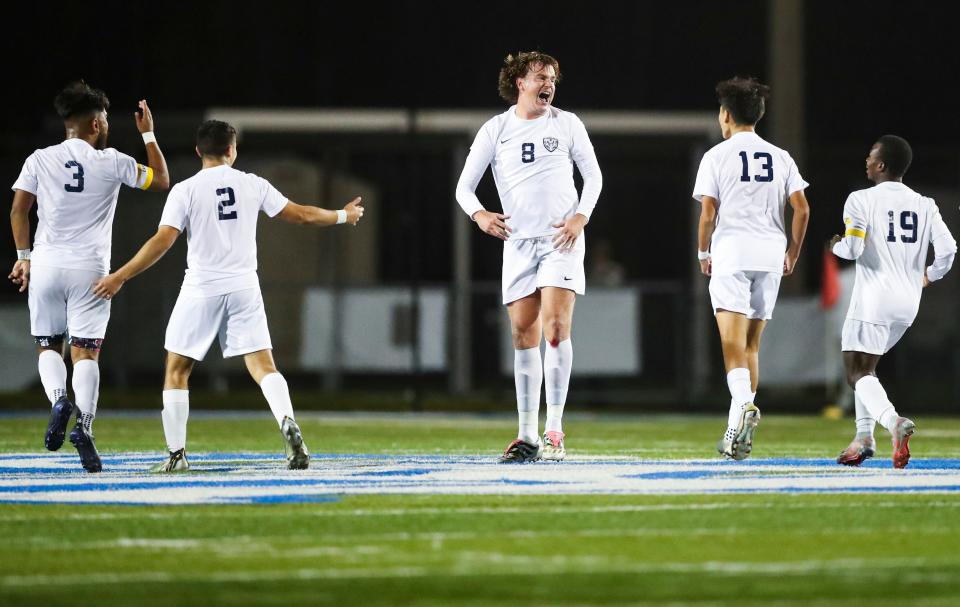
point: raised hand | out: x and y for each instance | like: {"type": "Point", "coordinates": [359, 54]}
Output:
{"type": "Point", "coordinates": [144, 117]}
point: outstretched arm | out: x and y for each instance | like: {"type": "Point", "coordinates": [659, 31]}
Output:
{"type": "Point", "coordinates": [708, 221]}
{"type": "Point", "coordinates": [149, 254]}
{"type": "Point", "coordinates": [311, 215]}
{"type": "Point", "coordinates": [798, 230]}
{"type": "Point", "coordinates": [160, 177]}
{"type": "Point", "coordinates": [20, 223]}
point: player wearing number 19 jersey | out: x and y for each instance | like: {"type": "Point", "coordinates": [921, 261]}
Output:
{"type": "Point", "coordinates": [531, 149]}
{"type": "Point", "coordinates": [889, 229]}
{"type": "Point", "coordinates": [75, 185]}
{"type": "Point", "coordinates": [743, 184]}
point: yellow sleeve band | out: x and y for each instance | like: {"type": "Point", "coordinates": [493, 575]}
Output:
{"type": "Point", "coordinates": [855, 232]}
{"type": "Point", "coordinates": [148, 180]}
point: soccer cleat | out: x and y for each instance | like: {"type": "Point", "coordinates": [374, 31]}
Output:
{"type": "Point", "coordinates": [902, 431]}
{"type": "Point", "coordinates": [520, 452]}
{"type": "Point", "coordinates": [57, 426]}
{"type": "Point", "coordinates": [858, 451]}
{"type": "Point", "coordinates": [89, 458]}
{"type": "Point", "coordinates": [298, 458]}
{"type": "Point", "coordinates": [177, 462]}
{"type": "Point", "coordinates": [553, 450]}
{"type": "Point", "coordinates": [740, 446]}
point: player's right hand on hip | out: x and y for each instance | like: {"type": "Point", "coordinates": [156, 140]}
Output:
{"type": "Point", "coordinates": [354, 211]}
{"type": "Point", "coordinates": [144, 117]}
{"type": "Point", "coordinates": [494, 224]}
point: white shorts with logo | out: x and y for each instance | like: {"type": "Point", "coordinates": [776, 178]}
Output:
{"type": "Point", "coordinates": [238, 318]}
{"type": "Point", "coordinates": [62, 301]}
{"type": "Point", "coordinates": [533, 263]}
{"type": "Point", "coordinates": [753, 294]}
{"type": "Point", "coordinates": [860, 336]}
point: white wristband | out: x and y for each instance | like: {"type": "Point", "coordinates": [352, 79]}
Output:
{"type": "Point", "coordinates": [341, 216]}
{"type": "Point", "coordinates": [23, 254]}
{"type": "Point", "coordinates": [148, 137]}
{"type": "Point", "coordinates": [701, 255]}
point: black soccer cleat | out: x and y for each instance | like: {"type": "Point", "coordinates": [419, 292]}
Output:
{"type": "Point", "coordinates": [89, 458]}
{"type": "Point", "coordinates": [57, 426]}
{"type": "Point", "coordinates": [520, 452]}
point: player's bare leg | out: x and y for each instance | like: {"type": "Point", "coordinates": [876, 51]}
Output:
{"type": "Point", "coordinates": [176, 411]}
{"type": "Point", "coordinates": [862, 376]}
{"type": "Point", "coordinates": [743, 417]}
{"type": "Point", "coordinates": [556, 313]}
{"type": "Point", "coordinates": [526, 328]}
{"type": "Point", "coordinates": [85, 354]}
{"type": "Point", "coordinates": [53, 376]}
{"type": "Point", "coordinates": [264, 371]}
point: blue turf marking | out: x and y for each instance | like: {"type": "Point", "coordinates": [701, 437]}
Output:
{"type": "Point", "coordinates": [408, 472]}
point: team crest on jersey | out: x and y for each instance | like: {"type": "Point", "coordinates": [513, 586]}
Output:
{"type": "Point", "coordinates": [551, 143]}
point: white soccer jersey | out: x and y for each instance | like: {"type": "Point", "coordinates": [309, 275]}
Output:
{"type": "Point", "coordinates": [218, 207]}
{"type": "Point", "coordinates": [76, 187]}
{"type": "Point", "coordinates": [532, 163]}
{"type": "Point", "coordinates": [751, 180]}
{"type": "Point", "coordinates": [889, 228]}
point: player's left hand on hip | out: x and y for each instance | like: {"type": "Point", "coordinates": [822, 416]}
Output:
{"type": "Point", "coordinates": [569, 231]}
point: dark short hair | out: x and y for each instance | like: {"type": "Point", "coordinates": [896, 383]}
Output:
{"type": "Point", "coordinates": [214, 137]}
{"type": "Point", "coordinates": [744, 98]}
{"type": "Point", "coordinates": [517, 67]}
{"type": "Point", "coordinates": [79, 99]}
{"type": "Point", "coordinates": [896, 153]}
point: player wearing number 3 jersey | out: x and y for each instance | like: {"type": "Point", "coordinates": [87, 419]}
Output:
{"type": "Point", "coordinates": [75, 185]}
{"type": "Point", "coordinates": [531, 149]}
{"type": "Point", "coordinates": [743, 184]}
{"type": "Point", "coordinates": [220, 297]}
{"type": "Point", "coordinates": [889, 229]}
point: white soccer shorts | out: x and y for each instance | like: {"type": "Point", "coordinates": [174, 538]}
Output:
{"type": "Point", "coordinates": [753, 294]}
{"type": "Point", "coordinates": [860, 336]}
{"type": "Point", "coordinates": [62, 301]}
{"type": "Point", "coordinates": [238, 318]}
{"type": "Point", "coordinates": [533, 263]}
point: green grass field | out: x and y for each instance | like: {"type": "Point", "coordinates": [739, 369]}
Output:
{"type": "Point", "coordinates": [760, 549]}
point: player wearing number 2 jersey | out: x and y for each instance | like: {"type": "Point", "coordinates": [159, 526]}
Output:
{"type": "Point", "coordinates": [75, 185]}
{"type": "Point", "coordinates": [743, 184]}
{"type": "Point", "coordinates": [531, 149]}
{"type": "Point", "coordinates": [889, 229]}
{"type": "Point", "coordinates": [218, 208]}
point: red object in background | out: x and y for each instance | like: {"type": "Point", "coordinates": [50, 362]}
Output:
{"type": "Point", "coordinates": [830, 280]}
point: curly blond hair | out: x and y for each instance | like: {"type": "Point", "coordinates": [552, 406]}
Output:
{"type": "Point", "coordinates": [517, 67]}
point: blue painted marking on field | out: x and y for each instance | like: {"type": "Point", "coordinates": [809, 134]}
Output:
{"type": "Point", "coordinates": [406, 472]}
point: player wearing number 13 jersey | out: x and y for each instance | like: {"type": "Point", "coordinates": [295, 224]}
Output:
{"type": "Point", "coordinates": [531, 149]}
{"type": "Point", "coordinates": [220, 296]}
{"type": "Point", "coordinates": [743, 185]}
{"type": "Point", "coordinates": [75, 185]}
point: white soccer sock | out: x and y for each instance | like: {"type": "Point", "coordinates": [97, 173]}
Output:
{"type": "Point", "coordinates": [875, 400]}
{"type": "Point", "coordinates": [738, 381]}
{"type": "Point", "coordinates": [527, 377]}
{"type": "Point", "coordinates": [865, 422]}
{"type": "Point", "coordinates": [277, 393]}
{"type": "Point", "coordinates": [176, 410]}
{"type": "Point", "coordinates": [86, 390]}
{"type": "Point", "coordinates": [53, 375]}
{"type": "Point", "coordinates": [557, 363]}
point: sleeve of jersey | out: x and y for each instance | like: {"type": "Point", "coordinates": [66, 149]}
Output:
{"type": "Point", "coordinates": [175, 210]}
{"type": "Point", "coordinates": [481, 153]}
{"type": "Point", "coordinates": [944, 247]}
{"type": "Point", "coordinates": [273, 201]}
{"type": "Point", "coordinates": [855, 231]}
{"type": "Point", "coordinates": [795, 182]}
{"type": "Point", "coordinates": [27, 181]}
{"type": "Point", "coordinates": [133, 174]}
{"type": "Point", "coordinates": [589, 168]}
{"type": "Point", "coordinates": [706, 184]}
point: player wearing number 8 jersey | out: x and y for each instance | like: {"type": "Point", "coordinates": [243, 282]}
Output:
{"type": "Point", "coordinates": [531, 149]}
{"type": "Point", "coordinates": [889, 229]}
{"type": "Point", "coordinates": [743, 185]}
{"type": "Point", "coordinates": [220, 297]}
{"type": "Point", "coordinates": [75, 185]}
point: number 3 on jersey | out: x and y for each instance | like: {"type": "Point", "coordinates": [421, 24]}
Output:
{"type": "Point", "coordinates": [226, 200]}
{"type": "Point", "coordinates": [77, 176]}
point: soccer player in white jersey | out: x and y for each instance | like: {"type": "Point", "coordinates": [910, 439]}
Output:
{"type": "Point", "coordinates": [75, 185]}
{"type": "Point", "coordinates": [743, 184]}
{"type": "Point", "coordinates": [218, 208]}
{"type": "Point", "coordinates": [889, 229]}
{"type": "Point", "coordinates": [531, 149]}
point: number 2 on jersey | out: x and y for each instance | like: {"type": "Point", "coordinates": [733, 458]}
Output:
{"type": "Point", "coordinates": [766, 166]}
{"type": "Point", "coordinates": [908, 223]}
{"type": "Point", "coordinates": [77, 176]}
{"type": "Point", "coordinates": [223, 203]}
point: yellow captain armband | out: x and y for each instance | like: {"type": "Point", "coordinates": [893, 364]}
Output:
{"type": "Point", "coordinates": [855, 232]}
{"type": "Point", "coordinates": [141, 170]}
